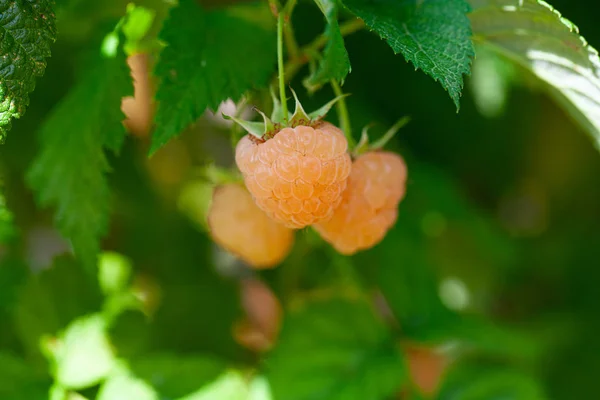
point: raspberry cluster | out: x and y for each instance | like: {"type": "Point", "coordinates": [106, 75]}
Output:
{"type": "Point", "coordinates": [299, 173]}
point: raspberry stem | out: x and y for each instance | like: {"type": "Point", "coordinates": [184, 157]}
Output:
{"type": "Point", "coordinates": [288, 31]}
{"type": "Point", "coordinates": [342, 111]}
{"type": "Point", "coordinates": [280, 22]}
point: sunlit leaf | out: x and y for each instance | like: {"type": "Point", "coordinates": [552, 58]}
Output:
{"type": "Point", "coordinates": [535, 35]}
{"type": "Point", "coordinates": [82, 354]}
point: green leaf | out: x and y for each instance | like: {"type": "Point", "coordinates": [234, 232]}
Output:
{"type": "Point", "coordinates": [335, 350]}
{"type": "Point", "coordinates": [138, 23]}
{"type": "Point", "coordinates": [259, 389]}
{"type": "Point", "coordinates": [70, 170]}
{"type": "Point", "coordinates": [472, 381]}
{"type": "Point", "coordinates": [123, 385]}
{"type": "Point", "coordinates": [49, 301]}
{"type": "Point", "coordinates": [335, 63]}
{"type": "Point", "coordinates": [210, 57]}
{"type": "Point", "coordinates": [114, 273]}
{"type": "Point", "coordinates": [434, 35]}
{"type": "Point", "coordinates": [174, 376]}
{"type": "Point", "coordinates": [18, 381]}
{"type": "Point", "coordinates": [82, 354]}
{"type": "Point", "coordinates": [231, 385]}
{"type": "Point", "coordinates": [27, 29]}
{"type": "Point", "coordinates": [536, 36]}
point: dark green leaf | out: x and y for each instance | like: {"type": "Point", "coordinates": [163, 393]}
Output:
{"type": "Point", "coordinates": [186, 302]}
{"type": "Point", "coordinates": [70, 170]}
{"type": "Point", "coordinates": [48, 302]}
{"type": "Point", "coordinates": [210, 57]}
{"type": "Point", "coordinates": [335, 350]}
{"type": "Point", "coordinates": [174, 376]}
{"type": "Point", "coordinates": [335, 63]}
{"type": "Point", "coordinates": [535, 35]}
{"type": "Point", "coordinates": [27, 29]}
{"type": "Point", "coordinates": [435, 35]}
{"type": "Point", "coordinates": [130, 334]}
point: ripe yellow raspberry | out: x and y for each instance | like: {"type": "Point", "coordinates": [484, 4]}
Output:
{"type": "Point", "coordinates": [239, 226]}
{"type": "Point", "coordinates": [369, 206]}
{"type": "Point", "coordinates": [297, 177]}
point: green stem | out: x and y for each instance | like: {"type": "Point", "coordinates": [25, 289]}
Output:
{"type": "Point", "coordinates": [342, 110]}
{"type": "Point", "coordinates": [274, 6]}
{"type": "Point", "coordinates": [281, 67]}
{"type": "Point", "coordinates": [236, 130]}
{"type": "Point", "coordinates": [288, 31]}
{"type": "Point", "coordinates": [289, 7]}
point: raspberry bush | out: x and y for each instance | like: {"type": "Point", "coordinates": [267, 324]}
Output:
{"type": "Point", "coordinates": [210, 200]}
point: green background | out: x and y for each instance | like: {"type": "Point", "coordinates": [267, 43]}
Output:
{"type": "Point", "coordinates": [505, 205]}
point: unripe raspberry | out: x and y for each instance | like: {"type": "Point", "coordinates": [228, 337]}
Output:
{"type": "Point", "coordinates": [297, 177]}
{"type": "Point", "coordinates": [369, 205]}
{"type": "Point", "coordinates": [239, 226]}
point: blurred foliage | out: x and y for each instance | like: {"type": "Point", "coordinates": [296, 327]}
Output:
{"type": "Point", "coordinates": [493, 260]}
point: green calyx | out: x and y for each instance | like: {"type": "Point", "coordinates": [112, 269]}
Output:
{"type": "Point", "coordinates": [271, 125]}
{"type": "Point", "coordinates": [364, 145]}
